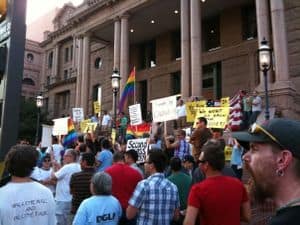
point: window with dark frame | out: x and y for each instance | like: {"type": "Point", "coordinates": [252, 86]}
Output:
{"type": "Point", "coordinates": [66, 54]}
{"type": "Point", "coordinates": [249, 26]}
{"type": "Point", "coordinates": [147, 55]}
{"type": "Point", "coordinates": [176, 45]}
{"type": "Point", "coordinates": [50, 60]}
{"type": "Point", "coordinates": [65, 74]}
{"type": "Point", "coordinates": [211, 33]}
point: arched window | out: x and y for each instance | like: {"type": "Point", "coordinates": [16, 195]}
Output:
{"type": "Point", "coordinates": [29, 57]}
{"type": "Point", "coordinates": [28, 81]}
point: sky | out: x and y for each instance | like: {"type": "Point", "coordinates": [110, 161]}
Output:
{"type": "Point", "coordinates": [37, 8]}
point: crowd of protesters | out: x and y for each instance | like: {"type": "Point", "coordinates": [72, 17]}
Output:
{"type": "Point", "coordinates": [183, 179]}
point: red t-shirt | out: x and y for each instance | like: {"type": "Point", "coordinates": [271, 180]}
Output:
{"type": "Point", "coordinates": [124, 181]}
{"type": "Point", "coordinates": [219, 200]}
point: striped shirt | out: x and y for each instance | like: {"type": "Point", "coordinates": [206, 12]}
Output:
{"type": "Point", "coordinates": [80, 187]}
{"type": "Point", "coordinates": [156, 198]}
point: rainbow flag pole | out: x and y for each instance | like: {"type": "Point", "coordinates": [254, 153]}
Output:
{"type": "Point", "coordinates": [129, 90]}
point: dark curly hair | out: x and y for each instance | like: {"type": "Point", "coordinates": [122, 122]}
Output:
{"type": "Point", "coordinates": [21, 160]}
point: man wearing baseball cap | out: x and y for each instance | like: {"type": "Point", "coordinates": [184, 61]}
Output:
{"type": "Point", "coordinates": [273, 161]}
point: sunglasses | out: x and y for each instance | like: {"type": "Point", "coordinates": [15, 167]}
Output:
{"type": "Point", "coordinates": [256, 128]}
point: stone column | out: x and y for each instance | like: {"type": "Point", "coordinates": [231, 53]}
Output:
{"type": "Point", "coordinates": [117, 40]}
{"type": "Point", "coordinates": [79, 51]}
{"type": "Point", "coordinates": [74, 52]}
{"type": "Point", "coordinates": [263, 26]}
{"type": "Point", "coordinates": [279, 40]}
{"type": "Point", "coordinates": [85, 74]}
{"type": "Point", "coordinates": [185, 48]}
{"type": "Point", "coordinates": [55, 65]}
{"type": "Point", "coordinates": [196, 49]}
{"type": "Point", "coordinates": [124, 55]}
{"type": "Point", "coordinates": [43, 76]}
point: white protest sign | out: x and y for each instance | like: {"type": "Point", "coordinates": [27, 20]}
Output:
{"type": "Point", "coordinates": [60, 126]}
{"type": "Point", "coordinates": [164, 109]}
{"type": "Point", "coordinates": [77, 114]}
{"type": "Point", "coordinates": [46, 135]}
{"type": "Point", "coordinates": [135, 114]}
{"type": "Point", "coordinates": [139, 145]}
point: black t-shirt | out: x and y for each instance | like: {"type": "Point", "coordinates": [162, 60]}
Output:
{"type": "Point", "coordinates": [287, 216]}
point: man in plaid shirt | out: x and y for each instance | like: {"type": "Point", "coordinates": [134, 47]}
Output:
{"type": "Point", "coordinates": [155, 200]}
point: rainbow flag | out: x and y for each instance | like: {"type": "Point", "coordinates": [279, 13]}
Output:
{"type": "Point", "coordinates": [72, 134]}
{"type": "Point", "coordinates": [138, 130]}
{"type": "Point", "coordinates": [129, 90]}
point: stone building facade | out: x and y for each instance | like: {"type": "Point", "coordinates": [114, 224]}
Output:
{"type": "Point", "coordinates": [187, 47]}
{"type": "Point", "coordinates": [32, 69]}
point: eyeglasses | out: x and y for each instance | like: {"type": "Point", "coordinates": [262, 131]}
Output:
{"type": "Point", "coordinates": [256, 128]}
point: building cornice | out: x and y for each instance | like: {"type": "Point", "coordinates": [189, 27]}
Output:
{"type": "Point", "coordinates": [93, 7]}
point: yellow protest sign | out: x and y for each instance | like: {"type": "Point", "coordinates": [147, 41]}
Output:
{"type": "Point", "coordinates": [192, 108]}
{"type": "Point", "coordinates": [83, 124]}
{"type": "Point", "coordinates": [90, 127]}
{"type": "Point", "coordinates": [113, 135]}
{"type": "Point", "coordinates": [227, 151]}
{"type": "Point", "coordinates": [97, 107]}
{"type": "Point", "coordinates": [225, 102]}
{"type": "Point", "coordinates": [217, 117]}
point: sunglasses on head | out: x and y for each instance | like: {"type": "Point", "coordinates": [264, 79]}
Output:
{"type": "Point", "coordinates": [256, 128]}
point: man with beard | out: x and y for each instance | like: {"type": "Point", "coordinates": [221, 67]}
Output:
{"type": "Point", "coordinates": [274, 163]}
{"type": "Point", "coordinates": [218, 199]}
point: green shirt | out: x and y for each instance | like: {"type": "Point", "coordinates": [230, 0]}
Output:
{"type": "Point", "coordinates": [183, 183]}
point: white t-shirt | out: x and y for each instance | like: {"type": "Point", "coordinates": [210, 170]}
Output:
{"type": "Point", "coordinates": [105, 120]}
{"type": "Point", "coordinates": [257, 101]}
{"type": "Point", "coordinates": [180, 110]}
{"type": "Point", "coordinates": [40, 174]}
{"type": "Point", "coordinates": [63, 176]}
{"type": "Point", "coordinates": [57, 148]}
{"type": "Point", "coordinates": [28, 203]}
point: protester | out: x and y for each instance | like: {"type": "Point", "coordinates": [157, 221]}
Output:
{"type": "Point", "coordinates": [63, 196]}
{"type": "Point", "coordinates": [124, 179]}
{"type": "Point", "coordinates": [188, 163]}
{"type": "Point", "coordinates": [181, 114]}
{"type": "Point", "coordinates": [236, 159]}
{"type": "Point", "coordinates": [106, 121]}
{"type": "Point", "coordinates": [183, 183]}
{"type": "Point", "coordinates": [200, 135]}
{"type": "Point", "coordinates": [55, 150]}
{"type": "Point", "coordinates": [247, 109]}
{"type": "Point", "coordinates": [44, 173]}
{"type": "Point", "coordinates": [217, 199]}
{"type": "Point", "coordinates": [122, 127]}
{"type": "Point", "coordinates": [274, 164]}
{"type": "Point", "coordinates": [155, 199]}
{"type": "Point", "coordinates": [80, 181]}
{"type": "Point", "coordinates": [131, 157]}
{"type": "Point", "coordinates": [22, 200]}
{"type": "Point", "coordinates": [102, 207]}
{"type": "Point", "coordinates": [181, 146]}
{"type": "Point", "coordinates": [256, 107]}
{"type": "Point", "coordinates": [104, 158]}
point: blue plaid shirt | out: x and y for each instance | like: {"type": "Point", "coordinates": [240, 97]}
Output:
{"type": "Point", "coordinates": [156, 198]}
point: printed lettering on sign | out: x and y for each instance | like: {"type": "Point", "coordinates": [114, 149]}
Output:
{"type": "Point", "coordinates": [139, 145]}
